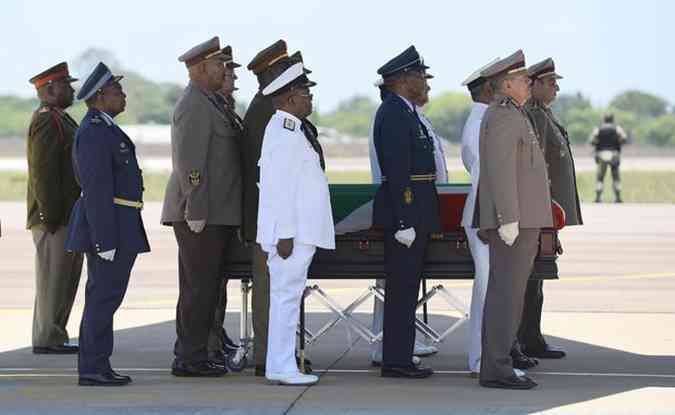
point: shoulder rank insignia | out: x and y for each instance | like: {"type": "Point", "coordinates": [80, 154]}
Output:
{"type": "Point", "coordinates": [194, 177]}
{"type": "Point", "coordinates": [289, 124]}
{"type": "Point", "coordinates": [408, 196]}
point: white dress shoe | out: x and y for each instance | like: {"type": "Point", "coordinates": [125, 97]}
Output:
{"type": "Point", "coordinates": [423, 350]}
{"type": "Point", "coordinates": [291, 379]}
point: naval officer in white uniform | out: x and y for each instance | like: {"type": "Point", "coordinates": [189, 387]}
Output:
{"type": "Point", "coordinates": [420, 349]}
{"type": "Point", "coordinates": [294, 217]}
{"type": "Point", "coordinates": [481, 94]}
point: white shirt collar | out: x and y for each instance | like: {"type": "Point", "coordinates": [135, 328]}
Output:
{"type": "Point", "coordinates": [410, 105]}
{"type": "Point", "coordinates": [107, 117]}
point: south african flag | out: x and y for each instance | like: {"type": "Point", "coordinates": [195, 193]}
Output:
{"type": "Point", "coordinates": [353, 206]}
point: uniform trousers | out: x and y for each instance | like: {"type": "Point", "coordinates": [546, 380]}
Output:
{"type": "Point", "coordinates": [217, 333]}
{"type": "Point", "coordinates": [57, 275]}
{"type": "Point", "coordinates": [404, 268]}
{"type": "Point", "coordinates": [201, 266]}
{"type": "Point", "coordinates": [107, 283]}
{"type": "Point", "coordinates": [481, 260]}
{"type": "Point", "coordinates": [287, 284]}
{"type": "Point", "coordinates": [529, 332]}
{"type": "Point", "coordinates": [510, 269]}
{"type": "Point", "coordinates": [260, 302]}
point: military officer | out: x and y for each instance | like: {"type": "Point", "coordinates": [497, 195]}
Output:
{"type": "Point", "coordinates": [294, 216]}
{"type": "Point", "coordinates": [513, 205]}
{"type": "Point", "coordinates": [202, 202]}
{"type": "Point", "coordinates": [51, 194]}
{"type": "Point", "coordinates": [607, 141]}
{"type": "Point", "coordinates": [406, 205]}
{"type": "Point", "coordinates": [555, 143]}
{"type": "Point", "coordinates": [106, 222]}
{"type": "Point", "coordinates": [266, 65]}
{"type": "Point", "coordinates": [481, 94]}
{"type": "Point", "coordinates": [420, 349]}
{"type": "Point", "coordinates": [220, 344]}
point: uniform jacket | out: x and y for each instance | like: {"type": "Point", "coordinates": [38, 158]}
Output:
{"type": "Point", "coordinates": [471, 157]}
{"type": "Point", "coordinates": [105, 163]}
{"type": "Point", "coordinates": [555, 143]}
{"type": "Point", "coordinates": [404, 148]}
{"type": "Point", "coordinates": [206, 180]}
{"type": "Point", "coordinates": [294, 196]}
{"type": "Point", "coordinates": [52, 188]}
{"type": "Point", "coordinates": [513, 184]}
{"type": "Point", "coordinates": [439, 155]}
{"type": "Point", "coordinates": [257, 116]}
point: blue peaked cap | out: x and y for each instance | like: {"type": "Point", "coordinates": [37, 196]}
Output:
{"type": "Point", "coordinates": [99, 78]}
{"type": "Point", "coordinates": [407, 60]}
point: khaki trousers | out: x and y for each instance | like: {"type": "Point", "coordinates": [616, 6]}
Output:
{"type": "Point", "coordinates": [260, 303]}
{"type": "Point", "coordinates": [57, 275]}
{"type": "Point", "coordinates": [510, 269]}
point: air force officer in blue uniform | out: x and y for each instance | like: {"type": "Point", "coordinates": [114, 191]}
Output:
{"type": "Point", "coordinates": [106, 221]}
{"type": "Point", "coordinates": [406, 205]}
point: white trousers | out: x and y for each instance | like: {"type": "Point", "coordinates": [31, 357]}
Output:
{"type": "Point", "coordinates": [287, 283]}
{"type": "Point", "coordinates": [481, 259]}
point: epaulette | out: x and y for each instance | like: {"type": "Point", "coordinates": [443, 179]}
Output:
{"type": "Point", "coordinates": [289, 124]}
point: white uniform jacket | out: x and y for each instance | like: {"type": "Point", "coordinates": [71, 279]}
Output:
{"type": "Point", "coordinates": [294, 198]}
{"type": "Point", "coordinates": [471, 157]}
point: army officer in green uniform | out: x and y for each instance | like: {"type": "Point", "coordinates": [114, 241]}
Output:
{"type": "Point", "coordinates": [51, 194]}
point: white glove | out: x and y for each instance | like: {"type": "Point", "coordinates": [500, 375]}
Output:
{"type": "Point", "coordinates": [508, 233]}
{"type": "Point", "coordinates": [406, 236]}
{"type": "Point", "coordinates": [108, 255]}
{"type": "Point", "coordinates": [196, 226]}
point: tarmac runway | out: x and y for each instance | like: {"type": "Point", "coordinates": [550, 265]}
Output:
{"type": "Point", "coordinates": [612, 310]}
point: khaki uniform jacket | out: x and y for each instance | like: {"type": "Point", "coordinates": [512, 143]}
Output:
{"type": "Point", "coordinates": [513, 185]}
{"type": "Point", "coordinates": [558, 155]}
{"type": "Point", "coordinates": [52, 188]}
{"type": "Point", "coordinates": [257, 116]}
{"type": "Point", "coordinates": [206, 181]}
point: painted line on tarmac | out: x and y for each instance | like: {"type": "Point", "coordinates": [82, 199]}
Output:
{"type": "Point", "coordinates": [26, 372]}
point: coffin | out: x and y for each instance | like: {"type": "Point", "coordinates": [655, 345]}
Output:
{"type": "Point", "coordinates": [359, 252]}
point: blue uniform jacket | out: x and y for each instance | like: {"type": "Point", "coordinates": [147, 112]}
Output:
{"type": "Point", "coordinates": [104, 160]}
{"type": "Point", "coordinates": [404, 148]}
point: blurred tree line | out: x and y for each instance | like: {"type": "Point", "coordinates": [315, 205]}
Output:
{"type": "Point", "coordinates": [648, 119]}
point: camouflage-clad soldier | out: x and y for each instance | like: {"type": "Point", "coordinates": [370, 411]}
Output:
{"type": "Point", "coordinates": [555, 143]}
{"type": "Point", "coordinates": [51, 194]}
{"type": "Point", "coordinates": [607, 141]}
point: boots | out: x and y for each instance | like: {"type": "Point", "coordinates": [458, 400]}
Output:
{"type": "Point", "coordinates": [598, 198]}
{"type": "Point", "coordinates": [618, 197]}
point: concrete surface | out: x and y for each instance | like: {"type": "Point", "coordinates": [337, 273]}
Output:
{"type": "Point", "coordinates": [612, 310]}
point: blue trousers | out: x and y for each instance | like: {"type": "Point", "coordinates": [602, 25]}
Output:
{"type": "Point", "coordinates": [107, 283]}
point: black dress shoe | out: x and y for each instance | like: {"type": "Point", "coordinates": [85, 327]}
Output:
{"type": "Point", "coordinates": [197, 370]}
{"type": "Point", "coordinates": [103, 379]}
{"type": "Point", "coordinates": [260, 370]}
{"type": "Point", "coordinates": [65, 348]}
{"type": "Point", "coordinates": [545, 352]}
{"type": "Point", "coordinates": [512, 382]}
{"type": "Point", "coordinates": [410, 372]}
{"type": "Point", "coordinates": [218, 357]}
{"type": "Point", "coordinates": [524, 362]}
{"type": "Point", "coordinates": [120, 376]}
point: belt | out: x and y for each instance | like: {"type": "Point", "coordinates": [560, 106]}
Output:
{"type": "Point", "coordinates": [418, 178]}
{"type": "Point", "coordinates": [127, 203]}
